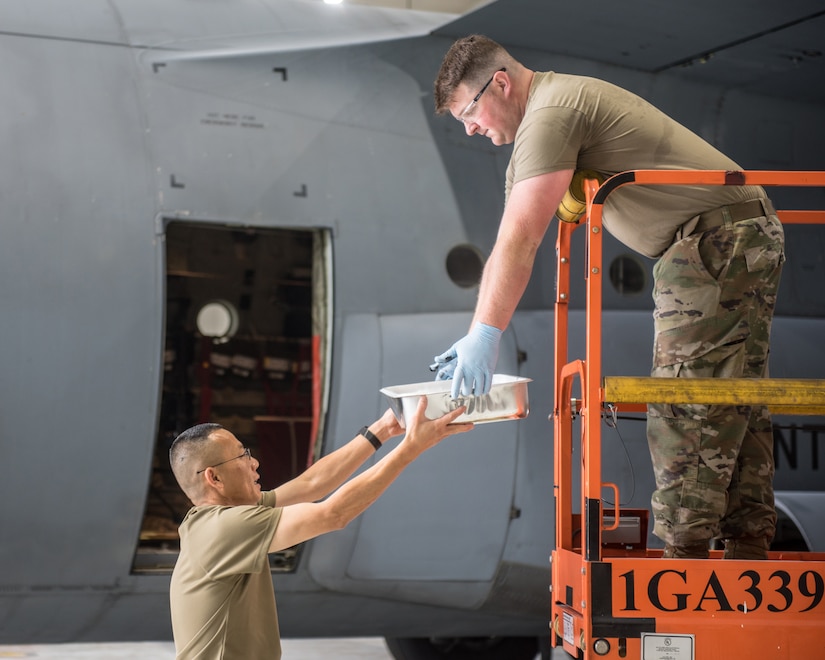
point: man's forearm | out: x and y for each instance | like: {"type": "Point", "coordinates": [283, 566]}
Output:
{"type": "Point", "coordinates": [526, 217]}
{"type": "Point", "coordinates": [355, 496]}
{"type": "Point", "coordinates": [329, 472]}
{"type": "Point", "coordinates": [307, 520]}
{"type": "Point", "coordinates": [502, 285]}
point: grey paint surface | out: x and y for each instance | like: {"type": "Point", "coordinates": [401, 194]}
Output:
{"type": "Point", "coordinates": [269, 114]}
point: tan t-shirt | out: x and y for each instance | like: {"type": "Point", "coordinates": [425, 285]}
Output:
{"type": "Point", "coordinates": [576, 122]}
{"type": "Point", "coordinates": [221, 595]}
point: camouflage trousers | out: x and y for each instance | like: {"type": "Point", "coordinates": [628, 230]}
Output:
{"type": "Point", "coordinates": [714, 296]}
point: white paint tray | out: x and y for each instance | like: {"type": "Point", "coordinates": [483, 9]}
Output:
{"type": "Point", "coordinates": [507, 399]}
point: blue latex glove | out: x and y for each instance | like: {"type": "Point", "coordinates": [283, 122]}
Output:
{"type": "Point", "coordinates": [471, 361]}
{"type": "Point", "coordinates": [444, 364]}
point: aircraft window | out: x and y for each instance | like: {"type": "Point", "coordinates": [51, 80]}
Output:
{"type": "Point", "coordinates": [239, 350]}
{"type": "Point", "coordinates": [464, 265]}
{"type": "Point", "coordinates": [627, 275]}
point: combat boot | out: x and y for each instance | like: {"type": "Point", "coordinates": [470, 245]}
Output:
{"type": "Point", "coordinates": [747, 547]}
{"type": "Point", "coordinates": [692, 551]}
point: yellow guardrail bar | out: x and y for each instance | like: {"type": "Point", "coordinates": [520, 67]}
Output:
{"type": "Point", "coordinates": [783, 396]}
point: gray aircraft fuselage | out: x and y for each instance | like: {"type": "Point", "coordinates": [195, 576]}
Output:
{"type": "Point", "coordinates": [147, 170]}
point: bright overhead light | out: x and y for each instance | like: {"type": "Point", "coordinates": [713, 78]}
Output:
{"type": "Point", "coordinates": [333, 2]}
{"type": "Point", "coordinates": [218, 319]}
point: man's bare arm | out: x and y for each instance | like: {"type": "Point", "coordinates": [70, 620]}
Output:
{"type": "Point", "coordinates": [301, 522]}
{"type": "Point", "coordinates": [329, 472]}
{"type": "Point", "coordinates": [530, 208]}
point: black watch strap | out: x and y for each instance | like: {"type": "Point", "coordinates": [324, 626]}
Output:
{"type": "Point", "coordinates": [369, 435]}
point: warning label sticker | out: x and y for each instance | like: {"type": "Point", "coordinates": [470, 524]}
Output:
{"type": "Point", "coordinates": [656, 646]}
{"type": "Point", "coordinates": [568, 633]}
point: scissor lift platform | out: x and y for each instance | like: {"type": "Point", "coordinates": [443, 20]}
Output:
{"type": "Point", "coordinates": [612, 596]}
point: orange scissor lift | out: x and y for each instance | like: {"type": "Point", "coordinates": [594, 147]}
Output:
{"type": "Point", "coordinates": [612, 596]}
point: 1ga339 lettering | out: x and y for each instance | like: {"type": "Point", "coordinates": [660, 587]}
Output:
{"type": "Point", "coordinates": [677, 590]}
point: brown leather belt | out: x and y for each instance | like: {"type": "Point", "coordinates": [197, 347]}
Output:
{"type": "Point", "coordinates": [753, 208]}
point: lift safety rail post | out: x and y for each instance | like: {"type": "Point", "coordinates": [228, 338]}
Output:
{"type": "Point", "coordinates": [613, 597]}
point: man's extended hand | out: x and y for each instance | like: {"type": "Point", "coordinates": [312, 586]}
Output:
{"type": "Point", "coordinates": [471, 361]}
{"type": "Point", "coordinates": [424, 433]}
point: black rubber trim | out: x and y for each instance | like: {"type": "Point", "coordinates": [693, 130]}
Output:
{"type": "Point", "coordinates": [592, 522]}
{"type": "Point", "coordinates": [611, 184]}
{"type": "Point", "coordinates": [601, 604]}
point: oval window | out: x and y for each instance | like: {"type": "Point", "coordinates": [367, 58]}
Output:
{"type": "Point", "coordinates": [464, 265]}
{"type": "Point", "coordinates": [627, 275]}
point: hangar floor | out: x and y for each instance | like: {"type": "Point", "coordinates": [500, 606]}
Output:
{"type": "Point", "coordinates": [293, 649]}
{"type": "Point", "coordinates": [348, 648]}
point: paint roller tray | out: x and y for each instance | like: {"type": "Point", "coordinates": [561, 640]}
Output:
{"type": "Point", "coordinates": [506, 400]}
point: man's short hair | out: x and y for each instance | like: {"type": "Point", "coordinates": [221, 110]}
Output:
{"type": "Point", "coordinates": [191, 441]}
{"type": "Point", "coordinates": [470, 60]}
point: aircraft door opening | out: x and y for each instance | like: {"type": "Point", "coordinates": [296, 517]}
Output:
{"type": "Point", "coordinates": [245, 343]}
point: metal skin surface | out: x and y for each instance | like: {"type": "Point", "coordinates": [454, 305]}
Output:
{"type": "Point", "coordinates": [133, 126]}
